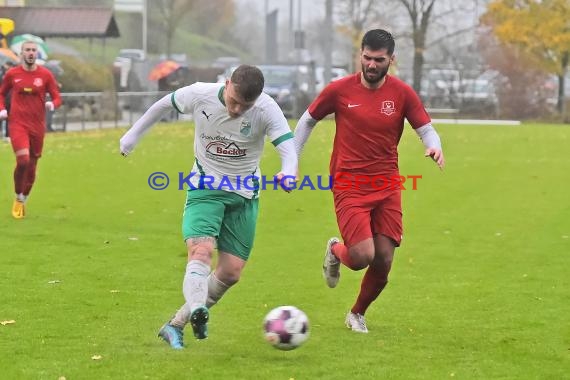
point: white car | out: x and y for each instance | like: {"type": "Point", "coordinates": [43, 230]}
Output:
{"type": "Point", "coordinates": [336, 73]}
{"type": "Point", "coordinates": [134, 54]}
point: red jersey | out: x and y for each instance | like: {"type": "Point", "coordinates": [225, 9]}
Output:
{"type": "Point", "coordinates": [28, 92]}
{"type": "Point", "coordinates": [369, 123]}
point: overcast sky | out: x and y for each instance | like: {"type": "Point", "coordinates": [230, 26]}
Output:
{"type": "Point", "coordinates": [310, 9]}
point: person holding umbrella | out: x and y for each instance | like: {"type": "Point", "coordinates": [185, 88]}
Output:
{"type": "Point", "coordinates": [29, 84]}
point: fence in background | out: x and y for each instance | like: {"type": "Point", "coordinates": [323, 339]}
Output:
{"type": "Point", "coordinates": [92, 110]}
{"type": "Point", "coordinates": [95, 110]}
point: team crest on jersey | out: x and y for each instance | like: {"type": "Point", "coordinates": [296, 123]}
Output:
{"type": "Point", "coordinates": [38, 82]}
{"type": "Point", "coordinates": [245, 128]}
{"type": "Point", "coordinates": [388, 107]}
{"type": "Point", "coordinates": [221, 149]}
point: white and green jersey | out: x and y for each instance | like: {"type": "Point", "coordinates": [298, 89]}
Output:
{"type": "Point", "coordinates": [228, 150]}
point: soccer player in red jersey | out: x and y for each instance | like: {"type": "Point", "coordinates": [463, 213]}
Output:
{"type": "Point", "coordinates": [370, 108]}
{"type": "Point", "coordinates": [29, 84]}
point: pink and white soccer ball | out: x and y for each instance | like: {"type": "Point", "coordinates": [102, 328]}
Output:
{"type": "Point", "coordinates": [286, 327]}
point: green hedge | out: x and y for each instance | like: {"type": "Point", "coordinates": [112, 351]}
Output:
{"type": "Point", "coordinates": [81, 76]}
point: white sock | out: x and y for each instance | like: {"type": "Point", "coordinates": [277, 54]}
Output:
{"type": "Point", "coordinates": [21, 197]}
{"type": "Point", "coordinates": [181, 317]}
{"type": "Point", "coordinates": [195, 286]}
{"type": "Point", "coordinates": [216, 290]}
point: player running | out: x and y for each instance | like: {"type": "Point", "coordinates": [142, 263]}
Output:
{"type": "Point", "coordinates": [232, 121]}
{"type": "Point", "coordinates": [370, 108]}
{"type": "Point", "coordinates": [29, 84]}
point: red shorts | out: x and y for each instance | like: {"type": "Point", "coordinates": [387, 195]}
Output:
{"type": "Point", "coordinates": [24, 138]}
{"type": "Point", "coordinates": [362, 216]}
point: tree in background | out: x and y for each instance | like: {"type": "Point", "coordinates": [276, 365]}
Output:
{"type": "Point", "coordinates": [247, 32]}
{"type": "Point", "coordinates": [206, 18]}
{"type": "Point", "coordinates": [420, 12]}
{"type": "Point", "coordinates": [213, 18]}
{"type": "Point", "coordinates": [355, 16]}
{"type": "Point", "coordinates": [523, 89]}
{"type": "Point", "coordinates": [171, 13]}
{"type": "Point", "coordinates": [426, 24]}
{"type": "Point", "coordinates": [539, 28]}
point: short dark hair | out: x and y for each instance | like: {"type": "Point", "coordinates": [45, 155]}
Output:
{"type": "Point", "coordinates": [248, 81]}
{"type": "Point", "coordinates": [378, 39]}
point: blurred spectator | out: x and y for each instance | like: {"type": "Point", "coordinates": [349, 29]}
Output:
{"type": "Point", "coordinates": [5, 67]}
{"type": "Point", "coordinates": [56, 69]}
{"type": "Point", "coordinates": [4, 123]}
{"type": "Point", "coordinates": [171, 82]}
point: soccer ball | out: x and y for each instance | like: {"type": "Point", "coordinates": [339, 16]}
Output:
{"type": "Point", "coordinates": [286, 327]}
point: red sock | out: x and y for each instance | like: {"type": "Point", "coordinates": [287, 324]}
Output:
{"type": "Point", "coordinates": [341, 252]}
{"type": "Point", "coordinates": [30, 177]}
{"type": "Point", "coordinates": [22, 163]}
{"type": "Point", "coordinates": [374, 281]}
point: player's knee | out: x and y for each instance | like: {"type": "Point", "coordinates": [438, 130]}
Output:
{"type": "Point", "coordinates": [22, 161]}
{"type": "Point", "coordinates": [359, 265]}
{"type": "Point", "coordinates": [229, 277]}
{"type": "Point", "coordinates": [232, 279]}
{"type": "Point", "coordinates": [387, 261]}
{"type": "Point", "coordinates": [368, 255]}
{"type": "Point", "coordinates": [361, 257]}
{"type": "Point", "coordinates": [201, 251]}
{"type": "Point", "coordinates": [201, 248]}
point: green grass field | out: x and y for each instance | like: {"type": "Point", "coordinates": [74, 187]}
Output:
{"type": "Point", "coordinates": [479, 289]}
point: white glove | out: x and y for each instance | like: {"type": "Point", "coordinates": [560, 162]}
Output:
{"type": "Point", "coordinates": [49, 106]}
{"type": "Point", "coordinates": [3, 114]}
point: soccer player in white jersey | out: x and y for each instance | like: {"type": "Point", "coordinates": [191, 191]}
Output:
{"type": "Point", "coordinates": [231, 121]}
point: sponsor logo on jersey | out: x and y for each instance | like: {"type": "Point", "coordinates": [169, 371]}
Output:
{"type": "Point", "coordinates": [220, 149]}
{"type": "Point", "coordinates": [214, 138]}
{"type": "Point", "coordinates": [205, 114]}
{"type": "Point", "coordinates": [245, 128]}
{"type": "Point", "coordinates": [388, 107]}
{"type": "Point", "coordinates": [38, 82]}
